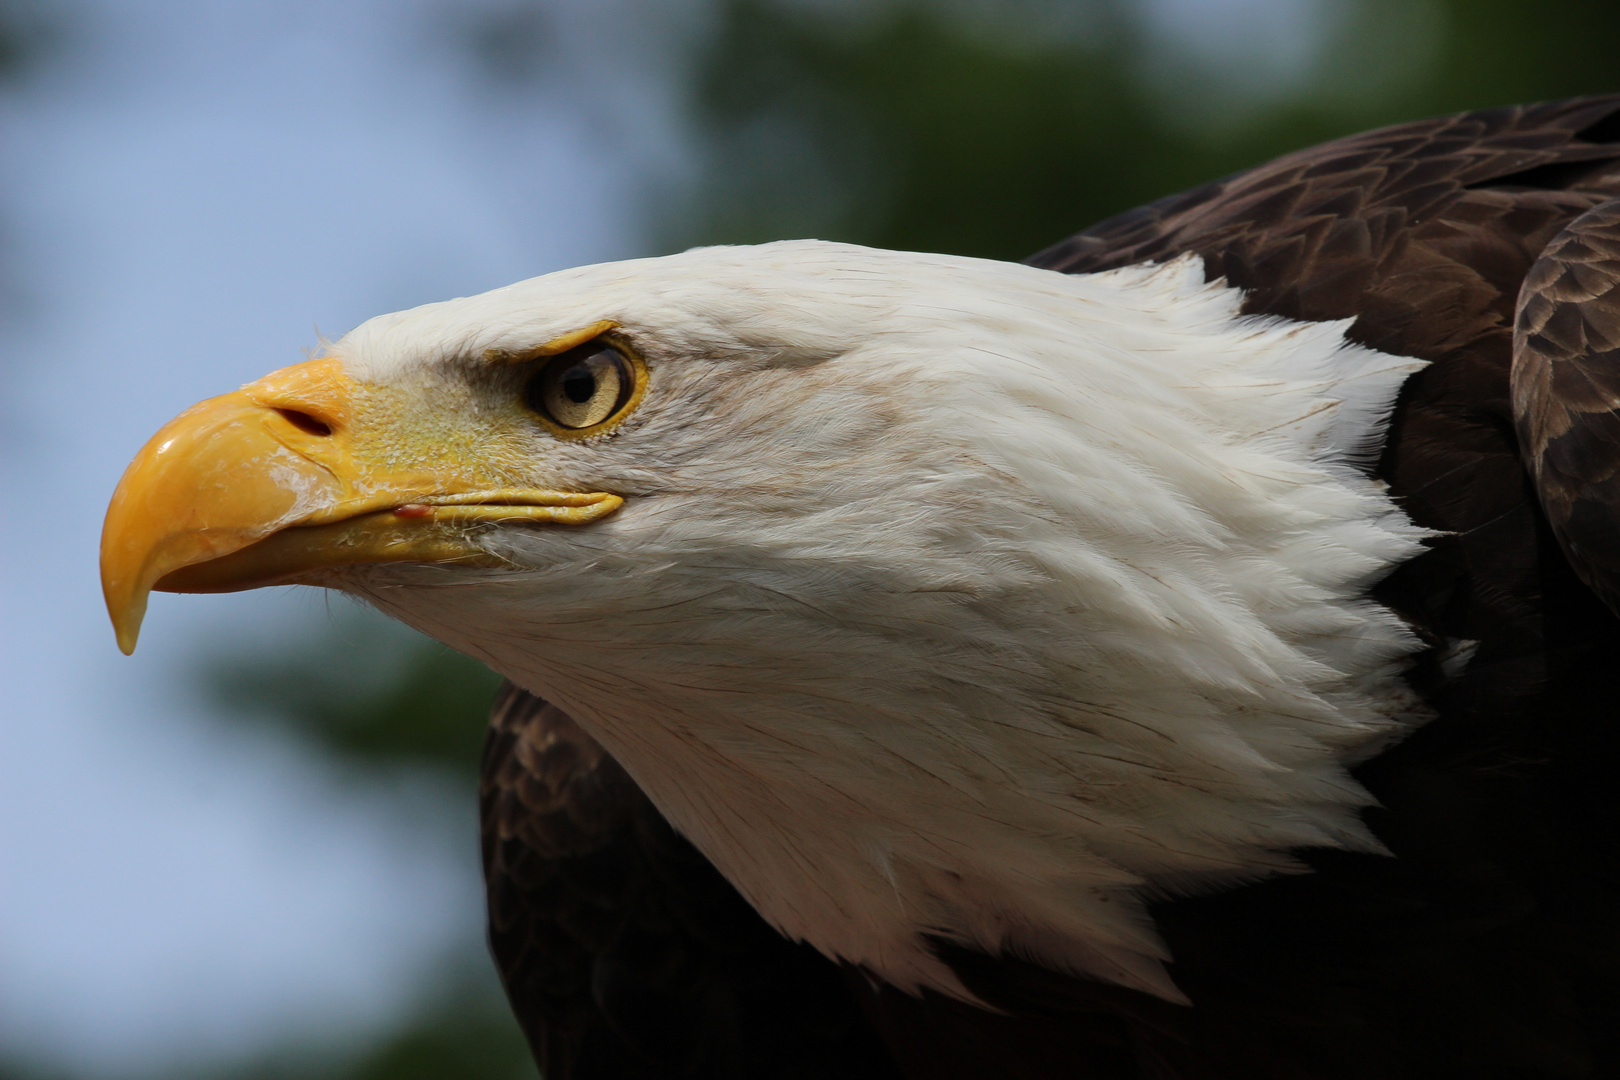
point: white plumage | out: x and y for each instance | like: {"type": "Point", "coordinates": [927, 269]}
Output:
{"type": "Point", "coordinates": [950, 597]}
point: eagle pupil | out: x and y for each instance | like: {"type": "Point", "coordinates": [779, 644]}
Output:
{"type": "Point", "coordinates": [579, 384]}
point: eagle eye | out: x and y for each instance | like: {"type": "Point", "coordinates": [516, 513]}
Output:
{"type": "Point", "coordinates": [583, 387]}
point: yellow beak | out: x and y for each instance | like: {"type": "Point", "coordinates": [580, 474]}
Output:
{"type": "Point", "coordinates": [276, 482]}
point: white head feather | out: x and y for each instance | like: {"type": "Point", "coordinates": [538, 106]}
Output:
{"type": "Point", "coordinates": [950, 597]}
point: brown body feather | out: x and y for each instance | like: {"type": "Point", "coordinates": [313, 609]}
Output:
{"type": "Point", "coordinates": [1566, 390]}
{"type": "Point", "coordinates": [1488, 946]}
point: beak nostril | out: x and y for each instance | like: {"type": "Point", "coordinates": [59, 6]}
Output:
{"type": "Point", "coordinates": [305, 422]}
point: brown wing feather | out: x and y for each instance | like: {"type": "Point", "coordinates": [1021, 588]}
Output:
{"type": "Point", "coordinates": [1566, 391]}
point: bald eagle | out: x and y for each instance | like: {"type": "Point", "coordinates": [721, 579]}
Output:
{"type": "Point", "coordinates": [1187, 654]}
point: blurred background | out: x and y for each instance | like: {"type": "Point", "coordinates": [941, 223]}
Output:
{"type": "Point", "coordinates": [251, 850]}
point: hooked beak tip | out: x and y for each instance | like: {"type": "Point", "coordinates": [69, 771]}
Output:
{"type": "Point", "coordinates": [127, 617]}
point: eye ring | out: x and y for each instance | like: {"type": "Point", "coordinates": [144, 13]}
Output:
{"type": "Point", "coordinates": [587, 390]}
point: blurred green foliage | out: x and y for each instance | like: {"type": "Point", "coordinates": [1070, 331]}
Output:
{"type": "Point", "coordinates": [456, 1044]}
{"type": "Point", "coordinates": [903, 131]}
{"type": "Point", "coordinates": [25, 35]}
{"type": "Point", "coordinates": [1494, 52]}
{"type": "Point", "coordinates": [917, 125]}
{"type": "Point", "coordinates": [369, 693]}
{"type": "Point", "coordinates": [463, 1034]}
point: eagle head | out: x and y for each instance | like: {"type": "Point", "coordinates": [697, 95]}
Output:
{"type": "Point", "coordinates": [928, 596]}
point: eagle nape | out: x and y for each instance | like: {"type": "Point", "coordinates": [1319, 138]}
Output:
{"type": "Point", "coordinates": [1183, 655]}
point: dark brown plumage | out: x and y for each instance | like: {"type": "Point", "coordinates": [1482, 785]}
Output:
{"type": "Point", "coordinates": [1566, 388]}
{"type": "Point", "coordinates": [1488, 946]}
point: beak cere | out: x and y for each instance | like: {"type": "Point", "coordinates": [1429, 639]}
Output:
{"type": "Point", "coordinates": [273, 483]}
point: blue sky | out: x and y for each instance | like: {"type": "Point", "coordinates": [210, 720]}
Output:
{"type": "Point", "coordinates": [189, 191]}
